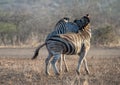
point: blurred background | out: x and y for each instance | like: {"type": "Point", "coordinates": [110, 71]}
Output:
{"type": "Point", "coordinates": [28, 22]}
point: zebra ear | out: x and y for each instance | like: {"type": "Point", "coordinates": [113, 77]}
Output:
{"type": "Point", "coordinates": [66, 18]}
{"type": "Point", "coordinates": [87, 15]}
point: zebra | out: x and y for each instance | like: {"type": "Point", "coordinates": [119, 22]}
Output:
{"type": "Point", "coordinates": [63, 26]}
{"type": "Point", "coordinates": [69, 43]}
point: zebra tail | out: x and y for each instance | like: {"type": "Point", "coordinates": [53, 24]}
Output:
{"type": "Point", "coordinates": [37, 51]}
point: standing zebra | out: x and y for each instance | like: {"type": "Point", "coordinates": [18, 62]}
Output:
{"type": "Point", "coordinates": [69, 43]}
{"type": "Point", "coordinates": [63, 26]}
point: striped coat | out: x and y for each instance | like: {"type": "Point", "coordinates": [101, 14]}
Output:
{"type": "Point", "coordinates": [63, 27]}
{"type": "Point", "coordinates": [70, 44]}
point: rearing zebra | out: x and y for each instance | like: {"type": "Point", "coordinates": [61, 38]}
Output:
{"type": "Point", "coordinates": [70, 43]}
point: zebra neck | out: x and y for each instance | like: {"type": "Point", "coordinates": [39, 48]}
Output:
{"type": "Point", "coordinates": [86, 34]}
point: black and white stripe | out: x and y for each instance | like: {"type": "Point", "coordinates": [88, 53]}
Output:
{"type": "Point", "coordinates": [69, 43]}
{"type": "Point", "coordinates": [63, 26]}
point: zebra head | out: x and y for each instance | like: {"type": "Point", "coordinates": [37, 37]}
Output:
{"type": "Point", "coordinates": [83, 22]}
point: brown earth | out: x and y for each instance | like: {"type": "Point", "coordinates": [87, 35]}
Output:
{"type": "Point", "coordinates": [17, 68]}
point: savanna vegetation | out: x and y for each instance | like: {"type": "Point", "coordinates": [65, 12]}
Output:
{"type": "Point", "coordinates": [27, 22]}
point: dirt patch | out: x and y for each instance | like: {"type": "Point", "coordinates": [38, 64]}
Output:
{"type": "Point", "coordinates": [17, 68]}
{"type": "Point", "coordinates": [24, 71]}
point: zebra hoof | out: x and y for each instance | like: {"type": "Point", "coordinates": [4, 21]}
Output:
{"type": "Point", "coordinates": [88, 73]}
{"type": "Point", "coordinates": [66, 70]}
{"type": "Point", "coordinates": [47, 73]}
{"type": "Point", "coordinates": [78, 72]}
{"type": "Point", "coordinates": [60, 70]}
{"type": "Point", "coordinates": [57, 74]}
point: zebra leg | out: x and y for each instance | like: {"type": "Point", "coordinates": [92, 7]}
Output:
{"type": "Point", "coordinates": [86, 66]}
{"type": "Point", "coordinates": [54, 60]}
{"type": "Point", "coordinates": [47, 61]}
{"type": "Point", "coordinates": [81, 57]}
{"type": "Point", "coordinates": [60, 63]}
{"type": "Point", "coordinates": [64, 60]}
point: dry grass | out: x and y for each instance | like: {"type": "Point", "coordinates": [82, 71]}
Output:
{"type": "Point", "coordinates": [24, 71]}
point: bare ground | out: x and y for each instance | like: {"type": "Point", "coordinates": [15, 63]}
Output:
{"type": "Point", "coordinates": [16, 68]}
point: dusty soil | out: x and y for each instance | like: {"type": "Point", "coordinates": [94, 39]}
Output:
{"type": "Point", "coordinates": [17, 68]}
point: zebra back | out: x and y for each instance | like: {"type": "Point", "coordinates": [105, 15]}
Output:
{"type": "Point", "coordinates": [71, 43]}
{"type": "Point", "coordinates": [63, 27]}
{"type": "Point", "coordinates": [61, 23]}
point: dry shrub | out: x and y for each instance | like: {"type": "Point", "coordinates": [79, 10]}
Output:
{"type": "Point", "coordinates": [105, 36]}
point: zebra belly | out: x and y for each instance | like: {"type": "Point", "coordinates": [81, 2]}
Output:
{"type": "Point", "coordinates": [55, 47]}
{"type": "Point", "coordinates": [61, 46]}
